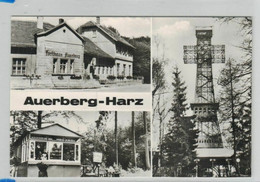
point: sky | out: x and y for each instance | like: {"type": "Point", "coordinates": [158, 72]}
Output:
{"type": "Point", "coordinates": [89, 118]}
{"type": "Point", "coordinates": [173, 34]}
{"type": "Point", "coordinates": [127, 26]}
{"type": "Point", "coordinates": [88, 124]}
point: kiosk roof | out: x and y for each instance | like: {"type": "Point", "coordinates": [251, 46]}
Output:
{"type": "Point", "coordinates": [56, 130]}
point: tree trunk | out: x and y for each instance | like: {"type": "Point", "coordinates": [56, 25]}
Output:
{"type": "Point", "coordinates": [133, 139]}
{"type": "Point", "coordinates": [160, 133]}
{"type": "Point", "coordinates": [95, 140]}
{"type": "Point", "coordinates": [147, 157]}
{"type": "Point", "coordinates": [116, 138]}
{"type": "Point", "coordinates": [39, 120]}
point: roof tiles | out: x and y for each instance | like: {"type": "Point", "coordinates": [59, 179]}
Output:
{"type": "Point", "coordinates": [23, 35]}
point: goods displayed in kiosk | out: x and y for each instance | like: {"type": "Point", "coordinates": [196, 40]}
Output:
{"type": "Point", "coordinates": [54, 145]}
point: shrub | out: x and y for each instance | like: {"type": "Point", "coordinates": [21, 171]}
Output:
{"type": "Point", "coordinates": [96, 77]}
{"type": "Point", "coordinates": [75, 77]}
{"type": "Point", "coordinates": [139, 78]}
{"type": "Point", "coordinates": [129, 77]}
{"type": "Point", "coordinates": [120, 77]}
{"type": "Point", "coordinates": [111, 77]}
{"type": "Point", "coordinates": [60, 77]}
{"type": "Point", "coordinates": [88, 77]}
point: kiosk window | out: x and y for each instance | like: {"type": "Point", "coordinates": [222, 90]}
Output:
{"type": "Point", "coordinates": [18, 67]}
{"type": "Point", "coordinates": [77, 152]}
{"type": "Point", "coordinates": [55, 150]}
{"type": "Point", "coordinates": [40, 151]}
{"type": "Point", "coordinates": [32, 150]}
{"type": "Point", "coordinates": [68, 152]}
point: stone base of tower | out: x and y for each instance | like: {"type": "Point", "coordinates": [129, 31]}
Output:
{"type": "Point", "coordinates": [214, 162]}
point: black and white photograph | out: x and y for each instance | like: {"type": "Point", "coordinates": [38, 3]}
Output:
{"type": "Point", "coordinates": [91, 53]}
{"type": "Point", "coordinates": [201, 78]}
{"type": "Point", "coordinates": [80, 144]}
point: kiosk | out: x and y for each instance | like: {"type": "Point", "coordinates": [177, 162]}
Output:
{"type": "Point", "coordinates": [54, 146]}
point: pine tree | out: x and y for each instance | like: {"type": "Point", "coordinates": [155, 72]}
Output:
{"type": "Point", "coordinates": [178, 146]}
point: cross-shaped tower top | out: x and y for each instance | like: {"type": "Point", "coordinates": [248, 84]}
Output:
{"type": "Point", "coordinates": [204, 54]}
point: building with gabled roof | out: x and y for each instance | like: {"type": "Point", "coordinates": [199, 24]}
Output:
{"type": "Point", "coordinates": [55, 146]}
{"type": "Point", "coordinates": [112, 43]}
{"type": "Point", "coordinates": [47, 56]}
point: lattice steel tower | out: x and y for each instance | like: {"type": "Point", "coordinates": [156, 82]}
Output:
{"type": "Point", "coordinates": [205, 108]}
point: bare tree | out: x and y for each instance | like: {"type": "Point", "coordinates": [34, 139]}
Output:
{"type": "Point", "coordinates": [147, 155]}
{"type": "Point", "coordinates": [133, 139]}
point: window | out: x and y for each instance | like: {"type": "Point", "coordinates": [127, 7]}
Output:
{"type": "Point", "coordinates": [63, 66]}
{"type": "Point", "coordinates": [41, 151]}
{"type": "Point", "coordinates": [72, 66]}
{"type": "Point", "coordinates": [18, 67]}
{"type": "Point", "coordinates": [32, 150]}
{"type": "Point", "coordinates": [55, 150]}
{"type": "Point", "coordinates": [117, 68]}
{"type": "Point", "coordinates": [124, 66]}
{"type": "Point", "coordinates": [129, 70]}
{"type": "Point", "coordinates": [77, 152]}
{"type": "Point", "coordinates": [68, 152]}
{"type": "Point", "coordinates": [55, 65]}
{"type": "Point", "coordinates": [50, 150]}
{"type": "Point", "coordinates": [103, 70]}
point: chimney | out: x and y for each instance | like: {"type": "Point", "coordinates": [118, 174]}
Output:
{"type": "Point", "coordinates": [40, 22]}
{"type": "Point", "coordinates": [98, 20]}
{"type": "Point", "coordinates": [61, 20]}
